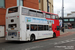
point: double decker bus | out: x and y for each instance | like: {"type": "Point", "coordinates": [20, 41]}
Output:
{"type": "Point", "coordinates": [27, 24]}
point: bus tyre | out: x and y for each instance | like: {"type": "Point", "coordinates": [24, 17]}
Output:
{"type": "Point", "coordinates": [32, 38]}
{"type": "Point", "coordinates": [54, 35]}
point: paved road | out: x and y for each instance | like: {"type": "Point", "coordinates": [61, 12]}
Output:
{"type": "Point", "coordinates": [64, 42]}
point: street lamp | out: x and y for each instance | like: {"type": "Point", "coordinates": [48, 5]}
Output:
{"type": "Point", "coordinates": [63, 15]}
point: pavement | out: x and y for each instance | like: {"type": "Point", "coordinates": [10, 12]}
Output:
{"type": "Point", "coordinates": [67, 31]}
{"type": "Point", "coordinates": [2, 39]}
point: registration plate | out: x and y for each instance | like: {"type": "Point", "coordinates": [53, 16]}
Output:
{"type": "Point", "coordinates": [12, 28]}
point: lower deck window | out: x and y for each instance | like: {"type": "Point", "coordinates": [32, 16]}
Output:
{"type": "Point", "coordinates": [12, 25]}
{"type": "Point", "coordinates": [39, 27]}
{"type": "Point", "coordinates": [33, 27]}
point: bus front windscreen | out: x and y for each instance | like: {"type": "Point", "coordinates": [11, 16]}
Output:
{"type": "Point", "coordinates": [13, 10]}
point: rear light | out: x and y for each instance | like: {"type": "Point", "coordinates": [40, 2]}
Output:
{"type": "Point", "coordinates": [6, 33]}
{"type": "Point", "coordinates": [18, 32]}
{"type": "Point", "coordinates": [18, 16]}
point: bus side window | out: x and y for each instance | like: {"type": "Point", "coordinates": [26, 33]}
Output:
{"type": "Point", "coordinates": [24, 11]}
{"type": "Point", "coordinates": [32, 13]}
{"type": "Point", "coordinates": [40, 14]}
{"type": "Point", "coordinates": [13, 10]}
{"type": "Point", "coordinates": [48, 16]}
{"type": "Point", "coordinates": [47, 27]}
{"type": "Point", "coordinates": [44, 15]}
{"type": "Point", "coordinates": [44, 27]}
{"type": "Point", "coordinates": [33, 27]}
{"type": "Point", "coordinates": [27, 27]}
{"type": "Point", "coordinates": [56, 17]}
{"type": "Point", "coordinates": [40, 28]}
{"type": "Point", "coordinates": [53, 16]}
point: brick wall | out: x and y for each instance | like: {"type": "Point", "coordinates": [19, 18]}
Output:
{"type": "Point", "coordinates": [10, 3]}
{"type": "Point", "coordinates": [2, 16]}
{"type": "Point", "coordinates": [31, 3]}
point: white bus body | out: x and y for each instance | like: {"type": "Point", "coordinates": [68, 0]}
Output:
{"type": "Point", "coordinates": [18, 26]}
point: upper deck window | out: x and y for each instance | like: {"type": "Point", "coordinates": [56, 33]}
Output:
{"type": "Point", "coordinates": [24, 11]}
{"type": "Point", "coordinates": [13, 10]}
{"type": "Point", "coordinates": [40, 14]}
{"type": "Point", "coordinates": [53, 16]}
{"type": "Point", "coordinates": [32, 12]}
{"type": "Point", "coordinates": [57, 17]}
{"type": "Point", "coordinates": [48, 15]}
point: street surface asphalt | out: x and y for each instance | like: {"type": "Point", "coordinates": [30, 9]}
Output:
{"type": "Point", "coordinates": [63, 42]}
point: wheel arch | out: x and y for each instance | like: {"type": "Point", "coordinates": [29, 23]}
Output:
{"type": "Point", "coordinates": [33, 35]}
{"type": "Point", "coordinates": [54, 34]}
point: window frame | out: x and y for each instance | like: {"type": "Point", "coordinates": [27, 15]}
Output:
{"type": "Point", "coordinates": [56, 16]}
{"type": "Point", "coordinates": [11, 25]}
{"type": "Point", "coordinates": [42, 29]}
{"type": "Point", "coordinates": [53, 16]}
{"type": "Point", "coordinates": [19, 4]}
{"type": "Point", "coordinates": [71, 19]}
{"type": "Point", "coordinates": [32, 11]}
{"type": "Point", "coordinates": [47, 14]}
{"type": "Point", "coordinates": [39, 1]}
{"type": "Point", "coordinates": [27, 27]}
{"type": "Point", "coordinates": [33, 27]}
{"type": "Point", "coordinates": [39, 27]}
{"type": "Point", "coordinates": [23, 13]}
{"type": "Point", "coordinates": [3, 6]}
{"type": "Point", "coordinates": [65, 20]}
{"type": "Point", "coordinates": [13, 8]}
{"type": "Point", "coordinates": [39, 13]}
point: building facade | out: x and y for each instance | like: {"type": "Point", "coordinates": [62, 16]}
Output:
{"type": "Point", "coordinates": [4, 4]}
{"type": "Point", "coordinates": [70, 20]}
{"type": "Point", "coordinates": [72, 14]}
{"type": "Point", "coordinates": [46, 5]}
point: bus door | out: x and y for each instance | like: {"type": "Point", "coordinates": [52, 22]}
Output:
{"type": "Point", "coordinates": [28, 31]}
{"type": "Point", "coordinates": [58, 30]}
{"type": "Point", "coordinates": [12, 28]}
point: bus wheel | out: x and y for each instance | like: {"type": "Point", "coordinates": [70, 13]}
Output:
{"type": "Point", "coordinates": [54, 35]}
{"type": "Point", "coordinates": [32, 38]}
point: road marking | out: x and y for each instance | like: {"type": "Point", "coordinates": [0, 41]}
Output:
{"type": "Point", "coordinates": [65, 41]}
{"type": "Point", "coordinates": [33, 47]}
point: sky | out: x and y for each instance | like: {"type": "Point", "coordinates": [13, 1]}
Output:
{"type": "Point", "coordinates": [69, 6]}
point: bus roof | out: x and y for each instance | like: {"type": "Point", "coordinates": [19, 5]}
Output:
{"type": "Point", "coordinates": [49, 13]}
{"type": "Point", "coordinates": [26, 7]}
{"type": "Point", "coordinates": [34, 9]}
